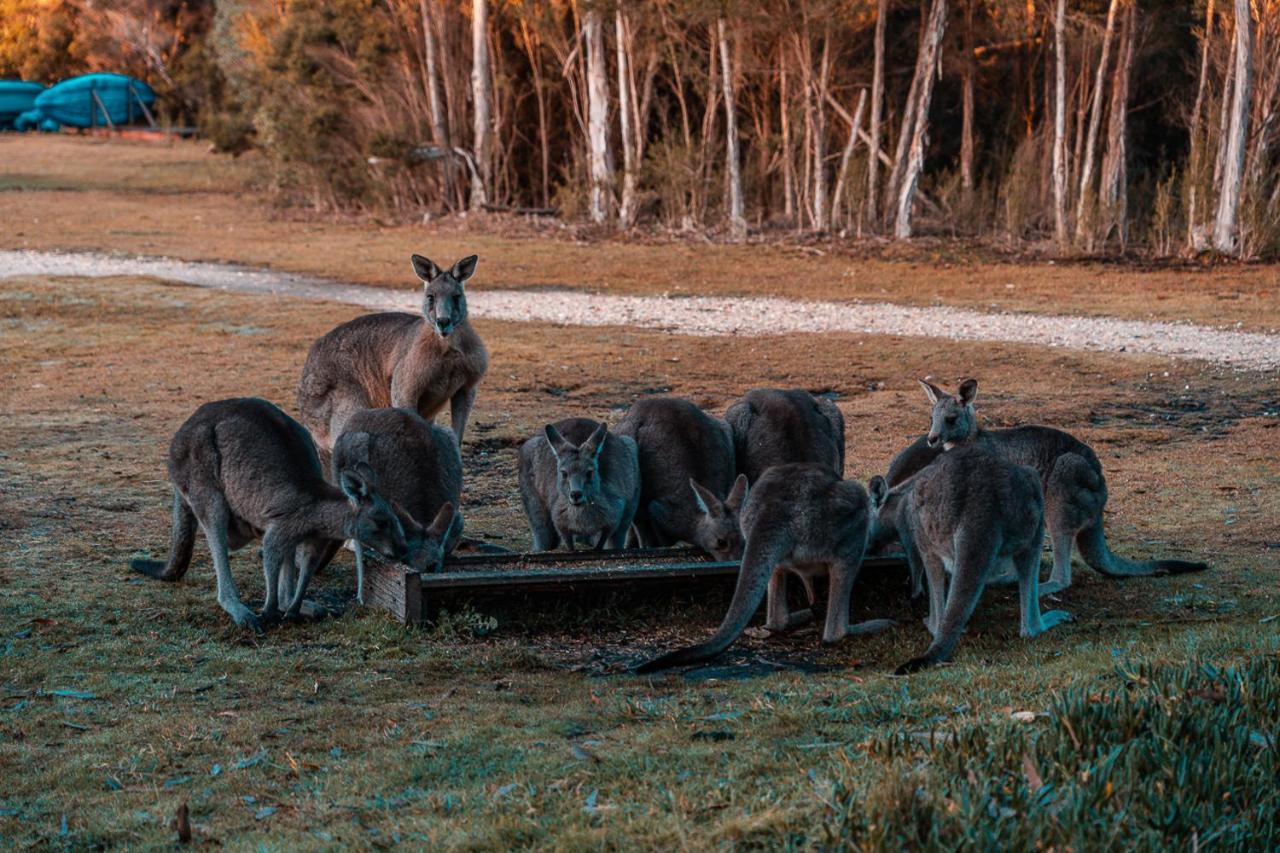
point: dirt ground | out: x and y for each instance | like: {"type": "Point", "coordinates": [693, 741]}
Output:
{"type": "Point", "coordinates": [124, 698]}
{"type": "Point", "coordinates": [70, 192]}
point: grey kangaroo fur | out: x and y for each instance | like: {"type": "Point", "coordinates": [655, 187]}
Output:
{"type": "Point", "coordinates": [414, 463]}
{"type": "Point", "coordinates": [1075, 489]}
{"type": "Point", "coordinates": [971, 515]}
{"type": "Point", "coordinates": [579, 481]}
{"type": "Point", "coordinates": [688, 492]}
{"type": "Point", "coordinates": [244, 469]}
{"type": "Point", "coordinates": [775, 427]}
{"type": "Point", "coordinates": [802, 519]}
{"type": "Point", "coordinates": [415, 361]}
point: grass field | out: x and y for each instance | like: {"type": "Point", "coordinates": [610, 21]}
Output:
{"type": "Point", "coordinates": [1155, 713]}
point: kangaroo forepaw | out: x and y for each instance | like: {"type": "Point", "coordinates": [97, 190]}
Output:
{"type": "Point", "coordinates": [244, 617]}
{"type": "Point", "coordinates": [270, 616]}
{"type": "Point", "coordinates": [1055, 617]}
{"type": "Point", "coordinates": [916, 665]}
{"type": "Point", "coordinates": [1052, 587]}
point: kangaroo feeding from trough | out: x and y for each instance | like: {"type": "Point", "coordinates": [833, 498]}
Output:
{"type": "Point", "coordinates": [414, 463]}
{"type": "Point", "coordinates": [421, 361]}
{"type": "Point", "coordinates": [688, 492]}
{"type": "Point", "coordinates": [579, 481]}
{"type": "Point", "coordinates": [801, 519]}
{"type": "Point", "coordinates": [244, 469]}
{"type": "Point", "coordinates": [1075, 490]}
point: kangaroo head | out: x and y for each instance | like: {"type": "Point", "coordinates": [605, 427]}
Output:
{"type": "Point", "coordinates": [718, 531]}
{"type": "Point", "coordinates": [577, 468]}
{"type": "Point", "coordinates": [885, 506]}
{"type": "Point", "coordinates": [444, 302]}
{"type": "Point", "coordinates": [426, 543]}
{"type": "Point", "coordinates": [953, 417]}
{"type": "Point", "coordinates": [373, 520]}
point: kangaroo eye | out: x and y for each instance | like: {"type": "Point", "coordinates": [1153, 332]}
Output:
{"type": "Point", "coordinates": [457, 299]}
{"type": "Point", "coordinates": [951, 420]}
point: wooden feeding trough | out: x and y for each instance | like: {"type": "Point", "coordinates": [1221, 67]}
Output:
{"type": "Point", "coordinates": [416, 598]}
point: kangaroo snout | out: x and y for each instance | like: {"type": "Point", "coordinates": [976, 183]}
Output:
{"type": "Point", "coordinates": [444, 325]}
{"type": "Point", "coordinates": [575, 497]}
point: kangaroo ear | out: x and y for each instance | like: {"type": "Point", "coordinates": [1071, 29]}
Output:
{"type": "Point", "coordinates": [443, 521]}
{"type": "Point", "coordinates": [879, 489]}
{"type": "Point", "coordinates": [738, 494]}
{"type": "Point", "coordinates": [708, 503]}
{"type": "Point", "coordinates": [968, 391]}
{"type": "Point", "coordinates": [355, 484]}
{"type": "Point", "coordinates": [465, 268]}
{"type": "Point", "coordinates": [557, 441]}
{"type": "Point", "coordinates": [933, 392]}
{"type": "Point", "coordinates": [595, 442]}
{"type": "Point", "coordinates": [425, 268]}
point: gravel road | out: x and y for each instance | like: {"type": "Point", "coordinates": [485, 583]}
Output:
{"type": "Point", "coordinates": [702, 315]}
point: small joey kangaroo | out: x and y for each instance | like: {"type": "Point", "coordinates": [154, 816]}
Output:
{"type": "Point", "coordinates": [414, 463]}
{"type": "Point", "coordinates": [973, 516]}
{"type": "Point", "coordinates": [801, 519]}
{"type": "Point", "coordinates": [774, 427]}
{"type": "Point", "coordinates": [579, 481]}
{"type": "Point", "coordinates": [415, 361]}
{"type": "Point", "coordinates": [688, 492]}
{"type": "Point", "coordinates": [244, 469]}
{"type": "Point", "coordinates": [1075, 490]}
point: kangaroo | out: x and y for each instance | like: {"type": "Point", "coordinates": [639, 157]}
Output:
{"type": "Point", "coordinates": [773, 427]}
{"type": "Point", "coordinates": [970, 515]}
{"type": "Point", "coordinates": [244, 469]}
{"type": "Point", "coordinates": [1074, 487]}
{"type": "Point", "coordinates": [416, 464]}
{"type": "Point", "coordinates": [803, 519]}
{"type": "Point", "coordinates": [420, 362]}
{"type": "Point", "coordinates": [688, 492]}
{"type": "Point", "coordinates": [579, 481]}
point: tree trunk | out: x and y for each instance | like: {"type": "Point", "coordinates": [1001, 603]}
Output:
{"type": "Point", "coordinates": [1195, 160]}
{"type": "Point", "coordinates": [1060, 125]}
{"type": "Point", "coordinates": [597, 116]}
{"type": "Point", "coordinates": [926, 66]}
{"type": "Point", "coordinates": [1083, 223]}
{"type": "Point", "coordinates": [855, 124]}
{"type": "Point", "coordinates": [482, 117]}
{"type": "Point", "coordinates": [966, 128]}
{"type": "Point", "coordinates": [1224, 227]}
{"type": "Point", "coordinates": [820, 136]}
{"type": "Point", "coordinates": [626, 113]}
{"type": "Point", "coordinates": [788, 160]}
{"type": "Point", "coordinates": [877, 113]}
{"type": "Point", "coordinates": [737, 213]}
{"type": "Point", "coordinates": [1114, 196]}
{"type": "Point", "coordinates": [435, 97]}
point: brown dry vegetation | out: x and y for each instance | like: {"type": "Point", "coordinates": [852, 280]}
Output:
{"type": "Point", "coordinates": [361, 731]}
{"type": "Point", "coordinates": [90, 194]}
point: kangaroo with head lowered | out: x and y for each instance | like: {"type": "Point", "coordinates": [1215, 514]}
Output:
{"type": "Point", "coordinates": [414, 463]}
{"type": "Point", "coordinates": [1075, 490]}
{"type": "Point", "coordinates": [421, 361]}
{"type": "Point", "coordinates": [688, 492]}
{"type": "Point", "coordinates": [774, 427]}
{"type": "Point", "coordinates": [972, 516]}
{"type": "Point", "coordinates": [579, 481]}
{"type": "Point", "coordinates": [244, 469]}
{"type": "Point", "coordinates": [798, 519]}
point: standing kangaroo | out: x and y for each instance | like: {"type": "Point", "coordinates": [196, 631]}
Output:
{"type": "Point", "coordinates": [773, 427]}
{"type": "Point", "coordinates": [413, 361]}
{"type": "Point", "coordinates": [800, 519]}
{"type": "Point", "coordinates": [1075, 490]}
{"type": "Point", "coordinates": [244, 469]}
{"type": "Point", "coordinates": [970, 515]}
{"type": "Point", "coordinates": [579, 481]}
{"type": "Point", "coordinates": [414, 463]}
{"type": "Point", "coordinates": [688, 492]}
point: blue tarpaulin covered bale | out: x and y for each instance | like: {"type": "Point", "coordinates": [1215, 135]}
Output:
{"type": "Point", "coordinates": [16, 98]}
{"type": "Point", "coordinates": [96, 100]}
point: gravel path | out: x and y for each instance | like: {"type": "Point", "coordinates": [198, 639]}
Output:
{"type": "Point", "coordinates": [703, 315]}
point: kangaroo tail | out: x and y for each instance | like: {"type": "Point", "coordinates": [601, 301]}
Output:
{"type": "Point", "coordinates": [763, 553]}
{"type": "Point", "coordinates": [1095, 551]}
{"type": "Point", "coordinates": [182, 538]}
